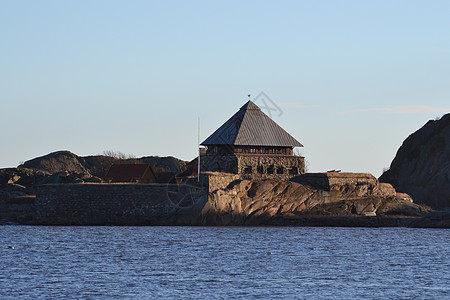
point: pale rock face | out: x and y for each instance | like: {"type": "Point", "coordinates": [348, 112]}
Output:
{"type": "Point", "coordinates": [387, 189]}
{"type": "Point", "coordinates": [245, 202]}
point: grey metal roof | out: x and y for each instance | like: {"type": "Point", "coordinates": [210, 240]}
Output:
{"type": "Point", "coordinates": [250, 126]}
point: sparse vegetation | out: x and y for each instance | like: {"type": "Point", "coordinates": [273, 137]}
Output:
{"type": "Point", "coordinates": [118, 154]}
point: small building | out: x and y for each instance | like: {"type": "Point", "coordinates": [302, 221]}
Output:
{"type": "Point", "coordinates": [252, 145]}
{"type": "Point", "coordinates": [129, 173]}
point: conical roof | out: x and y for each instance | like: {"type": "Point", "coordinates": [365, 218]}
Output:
{"type": "Point", "coordinates": [251, 127]}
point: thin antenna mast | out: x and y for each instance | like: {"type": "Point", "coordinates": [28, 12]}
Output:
{"type": "Point", "coordinates": [199, 152]}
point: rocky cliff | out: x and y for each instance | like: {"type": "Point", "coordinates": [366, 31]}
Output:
{"type": "Point", "coordinates": [421, 166]}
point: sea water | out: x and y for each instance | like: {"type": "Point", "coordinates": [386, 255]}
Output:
{"type": "Point", "coordinates": [223, 262]}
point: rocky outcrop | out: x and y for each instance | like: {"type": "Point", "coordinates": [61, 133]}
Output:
{"type": "Point", "coordinates": [21, 176]}
{"type": "Point", "coordinates": [15, 202]}
{"type": "Point", "coordinates": [56, 162]}
{"type": "Point", "coordinates": [168, 163]}
{"type": "Point", "coordinates": [270, 201]}
{"type": "Point", "coordinates": [96, 165]}
{"type": "Point", "coordinates": [421, 167]}
{"type": "Point", "coordinates": [67, 167]}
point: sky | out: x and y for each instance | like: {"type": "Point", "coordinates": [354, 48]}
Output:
{"type": "Point", "coordinates": [349, 79]}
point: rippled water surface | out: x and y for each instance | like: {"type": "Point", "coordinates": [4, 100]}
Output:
{"type": "Point", "coordinates": [217, 262]}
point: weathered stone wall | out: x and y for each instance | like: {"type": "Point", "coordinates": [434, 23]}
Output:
{"type": "Point", "coordinates": [127, 204]}
{"type": "Point", "coordinates": [120, 204]}
{"type": "Point", "coordinates": [255, 167]}
{"type": "Point", "coordinates": [219, 163]}
{"type": "Point", "coordinates": [326, 181]}
{"type": "Point", "coordinates": [215, 181]}
{"type": "Point", "coordinates": [16, 209]}
{"type": "Point", "coordinates": [212, 180]}
{"type": "Point", "coordinates": [335, 178]}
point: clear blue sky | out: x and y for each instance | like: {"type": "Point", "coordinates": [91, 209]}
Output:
{"type": "Point", "coordinates": [353, 78]}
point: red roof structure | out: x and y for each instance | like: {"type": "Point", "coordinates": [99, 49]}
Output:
{"type": "Point", "coordinates": [141, 173]}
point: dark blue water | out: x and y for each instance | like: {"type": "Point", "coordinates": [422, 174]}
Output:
{"type": "Point", "coordinates": [211, 262]}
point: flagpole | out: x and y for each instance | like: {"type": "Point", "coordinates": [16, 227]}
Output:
{"type": "Point", "coordinates": [199, 152]}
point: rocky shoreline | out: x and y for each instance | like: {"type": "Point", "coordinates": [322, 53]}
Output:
{"type": "Point", "coordinates": [318, 199]}
{"type": "Point", "coordinates": [348, 221]}
{"type": "Point", "coordinates": [226, 201]}
{"type": "Point", "coordinates": [435, 219]}
{"type": "Point", "coordinates": [313, 199]}
{"type": "Point", "coordinates": [21, 213]}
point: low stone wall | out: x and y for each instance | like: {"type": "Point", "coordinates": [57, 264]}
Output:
{"type": "Point", "coordinates": [353, 178]}
{"type": "Point", "coordinates": [117, 204]}
{"type": "Point", "coordinates": [327, 180]}
{"type": "Point", "coordinates": [127, 204]}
